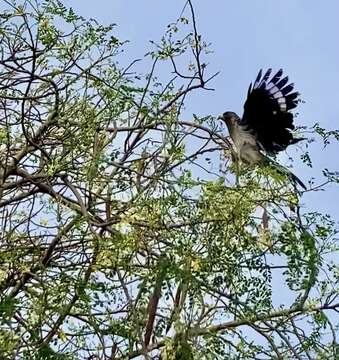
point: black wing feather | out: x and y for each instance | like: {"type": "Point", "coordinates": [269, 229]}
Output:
{"type": "Point", "coordinates": [256, 82]}
{"type": "Point", "coordinates": [266, 76]}
{"type": "Point", "coordinates": [282, 82]}
{"type": "Point", "coordinates": [266, 111]}
{"type": "Point", "coordinates": [287, 89]}
{"type": "Point", "coordinates": [277, 76]}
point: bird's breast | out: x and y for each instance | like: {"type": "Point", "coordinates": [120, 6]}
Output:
{"type": "Point", "coordinates": [241, 137]}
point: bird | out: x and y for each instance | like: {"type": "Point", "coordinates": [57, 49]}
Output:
{"type": "Point", "coordinates": [265, 128]}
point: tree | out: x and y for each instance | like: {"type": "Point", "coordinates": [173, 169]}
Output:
{"type": "Point", "coordinates": [118, 241]}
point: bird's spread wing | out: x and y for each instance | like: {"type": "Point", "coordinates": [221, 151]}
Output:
{"type": "Point", "coordinates": [267, 111]}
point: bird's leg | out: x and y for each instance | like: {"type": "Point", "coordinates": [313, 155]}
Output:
{"type": "Point", "coordinates": [237, 168]}
{"type": "Point", "coordinates": [237, 175]}
{"type": "Point", "coordinates": [236, 160]}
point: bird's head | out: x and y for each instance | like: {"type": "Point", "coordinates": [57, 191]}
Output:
{"type": "Point", "coordinates": [230, 118]}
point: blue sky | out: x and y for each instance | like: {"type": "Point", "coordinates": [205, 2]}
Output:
{"type": "Point", "coordinates": [299, 36]}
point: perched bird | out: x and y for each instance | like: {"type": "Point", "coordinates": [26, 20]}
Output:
{"type": "Point", "coordinates": [265, 127]}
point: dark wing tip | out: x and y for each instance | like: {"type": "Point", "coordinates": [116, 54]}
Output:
{"type": "Point", "coordinates": [282, 82]}
{"type": "Point", "coordinates": [267, 75]}
{"type": "Point", "coordinates": [287, 89]}
{"type": "Point", "coordinates": [267, 110]}
{"type": "Point", "coordinates": [277, 76]}
{"type": "Point", "coordinates": [257, 79]}
{"type": "Point", "coordinates": [249, 90]}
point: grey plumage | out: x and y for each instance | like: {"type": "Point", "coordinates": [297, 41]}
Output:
{"type": "Point", "coordinates": [245, 144]}
{"type": "Point", "coordinates": [266, 125]}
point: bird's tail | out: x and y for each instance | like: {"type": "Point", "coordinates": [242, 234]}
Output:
{"type": "Point", "coordinates": [284, 171]}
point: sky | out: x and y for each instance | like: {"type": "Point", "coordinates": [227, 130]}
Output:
{"type": "Point", "coordinates": [299, 36]}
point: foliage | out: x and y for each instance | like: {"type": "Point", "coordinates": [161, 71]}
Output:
{"type": "Point", "coordinates": [120, 238]}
